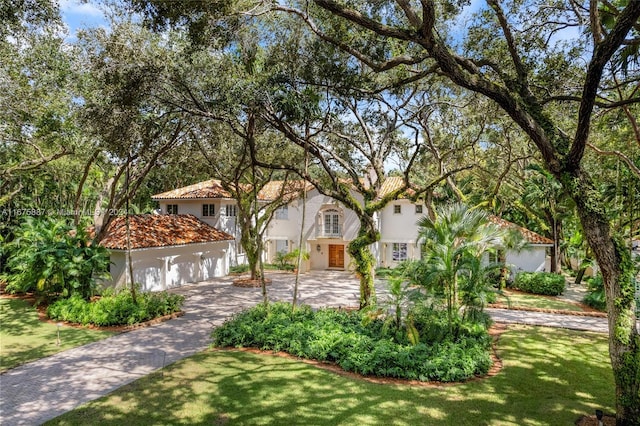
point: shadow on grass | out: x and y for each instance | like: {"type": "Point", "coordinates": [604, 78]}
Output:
{"type": "Point", "coordinates": [549, 377]}
{"type": "Point", "coordinates": [25, 338]}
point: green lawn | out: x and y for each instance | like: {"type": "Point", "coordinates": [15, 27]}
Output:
{"type": "Point", "coordinates": [24, 338]}
{"type": "Point", "coordinates": [524, 300]}
{"type": "Point", "coordinates": [550, 377]}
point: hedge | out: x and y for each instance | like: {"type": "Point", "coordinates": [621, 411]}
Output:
{"type": "Point", "coordinates": [545, 283]}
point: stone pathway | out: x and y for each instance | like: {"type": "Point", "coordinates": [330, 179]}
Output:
{"type": "Point", "coordinates": [41, 390]}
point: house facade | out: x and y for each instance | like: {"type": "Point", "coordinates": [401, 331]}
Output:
{"type": "Point", "coordinates": [167, 251]}
{"type": "Point", "coordinates": [327, 226]}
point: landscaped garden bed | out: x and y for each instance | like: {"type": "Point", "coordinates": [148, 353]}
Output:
{"type": "Point", "coordinates": [360, 343]}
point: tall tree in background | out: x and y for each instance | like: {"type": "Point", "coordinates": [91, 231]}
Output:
{"type": "Point", "coordinates": [127, 70]}
{"type": "Point", "coordinates": [37, 124]}
{"type": "Point", "coordinates": [509, 56]}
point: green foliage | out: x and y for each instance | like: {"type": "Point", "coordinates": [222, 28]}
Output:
{"type": "Point", "coordinates": [239, 269]}
{"type": "Point", "coordinates": [596, 296]}
{"type": "Point", "coordinates": [51, 258]}
{"type": "Point", "coordinates": [545, 283]}
{"type": "Point", "coordinates": [452, 270]}
{"type": "Point", "coordinates": [357, 342]}
{"type": "Point", "coordinates": [286, 261]}
{"type": "Point", "coordinates": [115, 308]}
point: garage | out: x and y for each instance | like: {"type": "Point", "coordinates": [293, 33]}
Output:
{"type": "Point", "coordinates": [166, 251]}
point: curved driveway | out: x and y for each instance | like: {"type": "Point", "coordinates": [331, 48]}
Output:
{"type": "Point", "coordinates": [44, 389]}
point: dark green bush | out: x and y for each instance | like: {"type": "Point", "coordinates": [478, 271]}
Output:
{"type": "Point", "coordinates": [115, 309]}
{"type": "Point", "coordinates": [540, 283]}
{"type": "Point", "coordinates": [356, 342]}
{"type": "Point", "coordinates": [596, 297]}
{"type": "Point", "coordinates": [52, 258]}
{"type": "Point", "coordinates": [239, 269]}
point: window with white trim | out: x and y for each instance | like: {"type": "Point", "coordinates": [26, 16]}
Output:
{"type": "Point", "coordinates": [172, 209]}
{"type": "Point", "coordinates": [332, 223]}
{"type": "Point", "coordinates": [282, 246]}
{"type": "Point", "coordinates": [397, 209]}
{"type": "Point", "coordinates": [399, 252]}
{"type": "Point", "coordinates": [231, 210]}
{"type": "Point", "coordinates": [208, 210]}
{"type": "Point", "coordinates": [282, 213]}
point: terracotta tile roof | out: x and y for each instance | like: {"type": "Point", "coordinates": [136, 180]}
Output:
{"type": "Point", "coordinates": [530, 236]}
{"type": "Point", "coordinates": [160, 230]}
{"type": "Point", "coordinates": [290, 189]}
{"type": "Point", "coordinates": [392, 183]}
{"type": "Point", "coordinates": [213, 189]}
{"type": "Point", "coordinates": [208, 189]}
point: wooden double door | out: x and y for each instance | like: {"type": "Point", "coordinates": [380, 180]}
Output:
{"type": "Point", "coordinates": [336, 256]}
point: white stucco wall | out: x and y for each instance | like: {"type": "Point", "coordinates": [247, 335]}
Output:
{"type": "Point", "coordinates": [167, 267]}
{"type": "Point", "coordinates": [532, 260]}
{"type": "Point", "coordinates": [399, 227]}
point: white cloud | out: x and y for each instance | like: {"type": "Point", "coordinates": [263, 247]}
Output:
{"type": "Point", "coordinates": [77, 7]}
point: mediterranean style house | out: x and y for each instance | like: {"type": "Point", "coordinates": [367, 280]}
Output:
{"type": "Point", "coordinates": [327, 227]}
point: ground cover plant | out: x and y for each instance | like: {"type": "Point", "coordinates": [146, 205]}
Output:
{"type": "Point", "coordinates": [24, 338]}
{"type": "Point", "coordinates": [362, 343]}
{"type": "Point", "coordinates": [549, 377]}
{"type": "Point", "coordinates": [113, 309]}
{"type": "Point", "coordinates": [545, 283]}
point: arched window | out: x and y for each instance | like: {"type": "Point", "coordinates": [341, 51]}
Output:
{"type": "Point", "coordinates": [332, 226]}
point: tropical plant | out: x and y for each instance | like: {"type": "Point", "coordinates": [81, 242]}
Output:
{"type": "Point", "coordinates": [455, 241]}
{"type": "Point", "coordinates": [51, 258]}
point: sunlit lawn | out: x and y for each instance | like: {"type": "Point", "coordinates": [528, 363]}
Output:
{"type": "Point", "coordinates": [524, 300]}
{"type": "Point", "coordinates": [550, 377]}
{"type": "Point", "coordinates": [24, 338]}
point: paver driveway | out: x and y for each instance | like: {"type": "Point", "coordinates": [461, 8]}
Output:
{"type": "Point", "coordinates": [44, 389]}
{"type": "Point", "coordinates": [41, 390]}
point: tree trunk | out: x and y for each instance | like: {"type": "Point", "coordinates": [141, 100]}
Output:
{"type": "Point", "coordinates": [615, 263]}
{"type": "Point", "coordinates": [364, 261]}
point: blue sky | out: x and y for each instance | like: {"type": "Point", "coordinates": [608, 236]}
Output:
{"type": "Point", "coordinates": [77, 15]}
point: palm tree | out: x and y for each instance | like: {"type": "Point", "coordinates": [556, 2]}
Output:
{"type": "Point", "coordinates": [454, 242]}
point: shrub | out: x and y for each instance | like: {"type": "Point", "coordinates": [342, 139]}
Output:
{"type": "Point", "coordinates": [540, 283]}
{"type": "Point", "coordinates": [115, 309]}
{"type": "Point", "coordinates": [239, 269]}
{"type": "Point", "coordinates": [356, 341]}
{"type": "Point", "coordinates": [596, 297]}
{"type": "Point", "coordinates": [51, 258]}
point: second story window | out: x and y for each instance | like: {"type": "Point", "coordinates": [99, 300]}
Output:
{"type": "Point", "coordinates": [172, 209]}
{"type": "Point", "coordinates": [208, 210]}
{"type": "Point", "coordinates": [332, 223]}
{"type": "Point", "coordinates": [418, 208]}
{"type": "Point", "coordinates": [231, 210]}
{"type": "Point", "coordinates": [397, 209]}
{"type": "Point", "coordinates": [282, 213]}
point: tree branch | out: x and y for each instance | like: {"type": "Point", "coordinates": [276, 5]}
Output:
{"type": "Point", "coordinates": [634, 169]}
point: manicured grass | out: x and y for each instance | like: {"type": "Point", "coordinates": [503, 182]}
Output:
{"type": "Point", "coordinates": [24, 338]}
{"type": "Point", "coordinates": [524, 300]}
{"type": "Point", "coordinates": [550, 377]}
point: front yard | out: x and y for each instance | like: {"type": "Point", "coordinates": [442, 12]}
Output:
{"type": "Point", "coordinates": [549, 376]}
{"type": "Point", "coordinates": [24, 338]}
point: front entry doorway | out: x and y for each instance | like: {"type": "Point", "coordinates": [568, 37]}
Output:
{"type": "Point", "coordinates": [336, 256]}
